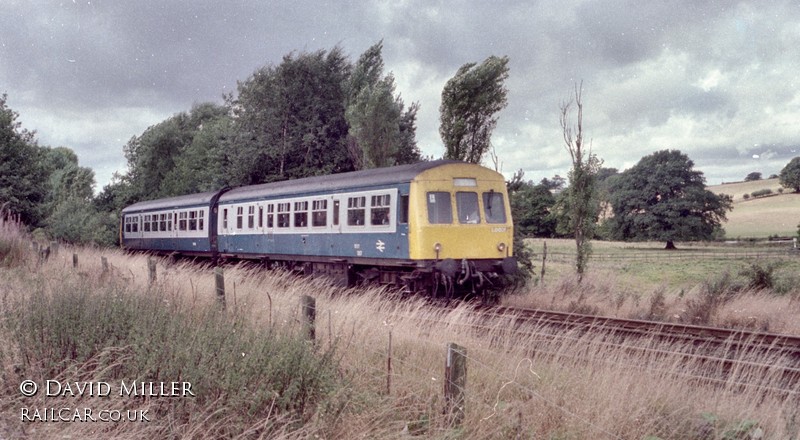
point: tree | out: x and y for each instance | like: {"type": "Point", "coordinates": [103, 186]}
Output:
{"type": "Point", "coordinates": [290, 120]}
{"type": "Point", "coordinates": [790, 175]}
{"type": "Point", "coordinates": [755, 175]}
{"type": "Point", "coordinates": [578, 202]}
{"type": "Point", "coordinates": [470, 102]}
{"type": "Point", "coordinates": [663, 198]}
{"type": "Point", "coordinates": [530, 208]}
{"type": "Point", "coordinates": [381, 132]}
{"type": "Point", "coordinates": [23, 178]}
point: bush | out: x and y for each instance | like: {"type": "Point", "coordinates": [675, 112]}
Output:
{"type": "Point", "coordinates": [746, 196]}
{"type": "Point", "coordinates": [760, 276]}
{"type": "Point", "coordinates": [761, 192]}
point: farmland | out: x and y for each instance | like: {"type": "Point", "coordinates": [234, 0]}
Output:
{"type": "Point", "coordinates": [777, 214]}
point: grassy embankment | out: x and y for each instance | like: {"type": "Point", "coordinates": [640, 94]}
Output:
{"type": "Point", "coordinates": [247, 365]}
{"type": "Point", "coordinates": [777, 214]}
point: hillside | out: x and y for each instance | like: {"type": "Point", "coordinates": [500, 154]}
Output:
{"type": "Point", "coordinates": [773, 215]}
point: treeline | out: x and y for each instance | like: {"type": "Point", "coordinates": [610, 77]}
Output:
{"type": "Point", "coordinates": [312, 114]}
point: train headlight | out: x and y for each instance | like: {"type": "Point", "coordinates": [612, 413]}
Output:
{"type": "Point", "coordinates": [501, 247]}
{"type": "Point", "coordinates": [437, 247]}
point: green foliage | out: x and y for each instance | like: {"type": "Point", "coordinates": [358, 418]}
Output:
{"type": "Point", "coordinates": [470, 101]}
{"type": "Point", "coordinates": [663, 198]}
{"type": "Point", "coordinates": [790, 175]}
{"type": "Point", "coordinates": [290, 120]}
{"type": "Point", "coordinates": [247, 372]}
{"type": "Point", "coordinates": [381, 132]}
{"type": "Point", "coordinates": [760, 275]}
{"type": "Point", "coordinates": [156, 164]}
{"type": "Point", "coordinates": [761, 193]}
{"type": "Point", "coordinates": [530, 207]}
{"type": "Point", "coordinates": [75, 220]}
{"type": "Point", "coordinates": [22, 175]}
{"type": "Point", "coordinates": [746, 196]}
{"type": "Point", "coordinates": [755, 175]}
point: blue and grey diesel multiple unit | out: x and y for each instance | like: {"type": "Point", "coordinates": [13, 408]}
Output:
{"type": "Point", "coordinates": [421, 226]}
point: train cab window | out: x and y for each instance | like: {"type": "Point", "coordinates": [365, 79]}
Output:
{"type": "Point", "coordinates": [356, 210]}
{"type": "Point", "coordinates": [300, 214]}
{"type": "Point", "coordinates": [379, 209]}
{"type": "Point", "coordinates": [270, 215]}
{"type": "Point", "coordinates": [283, 214]}
{"type": "Point", "coordinates": [494, 208]}
{"type": "Point", "coordinates": [440, 211]}
{"type": "Point", "coordinates": [251, 217]}
{"type": "Point", "coordinates": [467, 205]}
{"type": "Point", "coordinates": [239, 217]}
{"type": "Point", "coordinates": [404, 209]}
{"type": "Point", "coordinates": [319, 213]}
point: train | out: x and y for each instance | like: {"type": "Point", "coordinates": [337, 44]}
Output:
{"type": "Point", "coordinates": [441, 227]}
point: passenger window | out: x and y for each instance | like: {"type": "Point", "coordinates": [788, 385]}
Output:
{"type": "Point", "coordinates": [467, 205]}
{"type": "Point", "coordinates": [193, 220]}
{"type": "Point", "coordinates": [147, 223]}
{"type": "Point", "coordinates": [163, 221]}
{"type": "Point", "coordinates": [201, 215]}
{"type": "Point", "coordinates": [260, 216]}
{"type": "Point", "coordinates": [239, 217]}
{"type": "Point", "coordinates": [494, 208]}
{"type": "Point", "coordinates": [182, 220]}
{"type": "Point", "coordinates": [283, 214]}
{"type": "Point", "coordinates": [439, 209]}
{"type": "Point", "coordinates": [251, 217]}
{"type": "Point", "coordinates": [379, 209]}
{"type": "Point", "coordinates": [300, 214]}
{"type": "Point", "coordinates": [356, 210]}
{"type": "Point", "coordinates": [320, 213]}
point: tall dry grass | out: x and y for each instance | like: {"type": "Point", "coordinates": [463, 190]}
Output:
{"type": "Point", "coordinates": [556, 386]}
{"type": "Point", "coordinates": [719, 301]}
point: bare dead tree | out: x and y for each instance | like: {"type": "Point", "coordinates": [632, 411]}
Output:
{"type": "Point", "coordinates": [579, 203]}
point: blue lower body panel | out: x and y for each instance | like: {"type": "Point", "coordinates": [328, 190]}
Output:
{"type": "Point", "coordinates": [170, 244]}
{"type": "Point", "coordinates": [365, 245]}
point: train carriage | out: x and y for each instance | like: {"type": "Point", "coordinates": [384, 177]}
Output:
{"type": "Point", "coordinates": [422, 226]}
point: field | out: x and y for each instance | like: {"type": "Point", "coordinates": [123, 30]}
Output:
{"type": "Point", "coordinates": [255, 377]}
{"type": "Point", "coordinates": [778, 214]}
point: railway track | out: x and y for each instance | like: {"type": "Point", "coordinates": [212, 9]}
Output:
{"type": "Point", "coordinates": [743, 358]}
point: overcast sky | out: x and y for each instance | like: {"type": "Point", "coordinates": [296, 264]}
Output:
{"type": "Point", "coordinates": [717, 80]}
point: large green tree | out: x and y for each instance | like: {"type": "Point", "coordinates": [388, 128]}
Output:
{"type": "Point", "coordinates": [381, 131]}
{"type": "Point", "coordinates": [663, 198]}
{"type": "Point", "coordinates": [790, 175]}
{"type": "Point", "coordinates": [154, 155]}
{"type": "Point", "coordinates": [470, 102]}
{"type": "Point", "coordinates": [23, 177]}
{"type": "Point", "coordinates": [290, 120]}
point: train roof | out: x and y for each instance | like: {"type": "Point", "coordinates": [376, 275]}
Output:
{"type": "Point", "coordinates": [199, 199]}
{"type": "Point", "coordinates": [315, 184]}
{"type": "Point", "coordinates": [333, 182]}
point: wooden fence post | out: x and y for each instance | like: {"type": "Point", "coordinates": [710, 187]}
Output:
{"type": "Point", "coordinates": [54, 248]}
{"type": "Point", "coordinates": [74, 260]}
{"type": "Point", "coordinates": [151, 270]}
{"type": "Point", "coordinates": [309, 309]}
{"type": "Point", "coordinates": [544, 259]}
{"type": "Point", "coordinates": [389, 366]}
{"type": "Point", "coordinates": [455, 382]}
{"type": "Point", "coordinates": [219, 282]}
{"type": "Point", "coordinates": [104, 263]}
